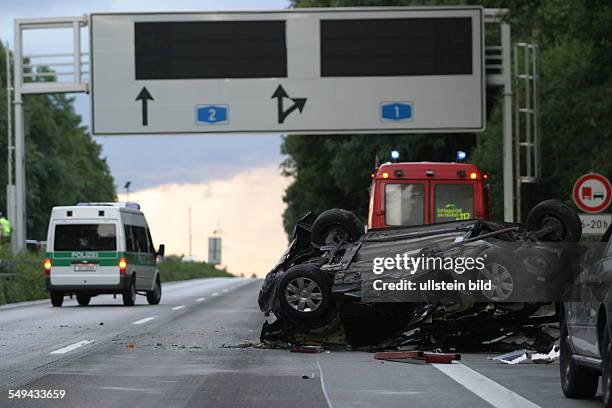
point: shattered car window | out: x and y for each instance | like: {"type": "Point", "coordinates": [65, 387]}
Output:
{"type": "Point", "coordinates": [404, 204]}
{"type": "Point", "coordinates": [453, 202]}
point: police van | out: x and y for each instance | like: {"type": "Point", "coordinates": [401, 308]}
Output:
{"type": "Point", "coordinates": [101, 248]}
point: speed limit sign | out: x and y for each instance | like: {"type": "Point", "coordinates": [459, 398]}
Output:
{"type": "Point", "coordinates": [592, 193]}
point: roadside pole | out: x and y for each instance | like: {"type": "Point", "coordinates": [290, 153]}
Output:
{"type": "Point", "coordinates": [18, 221]}
{"type": "Point", "coordinates": [508, 171]}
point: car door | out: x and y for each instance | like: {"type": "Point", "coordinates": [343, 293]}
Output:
{"type": "Point", "coordinates": [591, 289]}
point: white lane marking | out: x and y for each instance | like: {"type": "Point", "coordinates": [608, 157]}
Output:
{"type": "Point", "coordinates": [485, 388]}
{"type": "Point", "coordinates": [200, 299]}
{"type": "Point", "coordinates": [329, 404]}
{"type": "Point", "coordinates": [141, 321]}
{"type": "Point", "coordinates": [215, 294]}
{"type": "Point", "coordinates": [178, 307]}
{"type": "Point", "coordinates": [225, 290]}
{"type": "Point", "coordinates": [71, 347]}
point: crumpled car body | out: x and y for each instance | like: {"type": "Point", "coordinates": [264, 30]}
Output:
{"type": "Point", "coordinates": [442, 319]}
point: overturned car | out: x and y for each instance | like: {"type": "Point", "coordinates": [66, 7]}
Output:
{"type": "Point", "coordinates": [457, 284]}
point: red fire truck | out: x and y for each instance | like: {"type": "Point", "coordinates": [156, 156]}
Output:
{"type": "Point", "coordinates": [427, 193]}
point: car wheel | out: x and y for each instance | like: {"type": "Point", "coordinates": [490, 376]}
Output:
{"type": "Point", "coordinates": [505, 278]}
{"type": "Point", "coordinates": [576, 381]}
{"type": "Point", "coordinates": [83, 299]}
{"type": "Point", "coordinates": [335, 226]}
{"type": "Point", "coordinates": [606, 371]}
{"type": "Point", "coordinates": [57, 298]}
{"type": "Point", "coordinates": [154, 296]}
{"type": "Point", "coordinates": [560, 218]}
{"type": "Point", "coordinates": [129, 295]}
{"type": "Point", "coordinates": [305, 292]}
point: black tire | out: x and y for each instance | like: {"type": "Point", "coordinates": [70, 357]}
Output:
{"type": "Point", "coordinates": [506, 276]}
{"type": "Point", "coordinates": [606, 367]}
{"type": "Point", "coordinates": [558, 215]}
{"type": "Point", "coordinates": [576, 381]}
{"type": "Point", "coordinates": [154, 296]}
{"type": "Point", "coordinates": [57, 298]}
{"type": "Point", "coordinates": [334, 226]}
{"type": "Point", "coordinates": [83, 299]}
{"type": "Point", "coordinates": [129, 294]}
{"type": "Point", "coordinates": [315, 286]}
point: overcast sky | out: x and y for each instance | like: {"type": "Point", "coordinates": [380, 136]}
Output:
{"type": "Point", "coordinates": [214, 174]}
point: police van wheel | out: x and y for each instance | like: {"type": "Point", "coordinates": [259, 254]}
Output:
{"type": "Point", "coordinates": [129, 295]}
{"type": "Point", "coordinates": [57, 298]}
{"type": "Point", "coordinates": [83, 299]}
{"type": "Point", "coordinates": [154, 296]}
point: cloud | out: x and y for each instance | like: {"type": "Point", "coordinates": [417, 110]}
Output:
{"type": "Point", "coordinates": [247, 208]}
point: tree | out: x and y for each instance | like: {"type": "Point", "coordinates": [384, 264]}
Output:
{"type": "Point", "coordinates": [63, 163]}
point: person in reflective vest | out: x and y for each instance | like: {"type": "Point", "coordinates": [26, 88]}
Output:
{"type": "Point", "coordinates": [5, 228]}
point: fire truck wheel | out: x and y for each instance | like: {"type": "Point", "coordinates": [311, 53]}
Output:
{"type": "Point", "coordinates": [335, 226]}
{"type": "Point", "coordinates": [558, 218]}
{"type": "Point", "coordinates": [305, 292]}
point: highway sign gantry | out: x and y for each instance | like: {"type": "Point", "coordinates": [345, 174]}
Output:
{"type": "Point", "coordinates": [304, 71]}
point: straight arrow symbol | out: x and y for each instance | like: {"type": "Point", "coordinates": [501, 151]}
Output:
{"type": "Point", "coordinates": [145, 97]}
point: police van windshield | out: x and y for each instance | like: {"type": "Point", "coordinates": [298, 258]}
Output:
{"type": "Point", "coordinates": [85, 237]}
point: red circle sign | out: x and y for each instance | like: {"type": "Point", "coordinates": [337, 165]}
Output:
{"type": "Point", "coordinates": [592, 193]}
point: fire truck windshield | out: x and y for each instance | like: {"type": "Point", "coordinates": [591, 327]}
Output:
{"type": "Point", "coordinates": [404, 204]}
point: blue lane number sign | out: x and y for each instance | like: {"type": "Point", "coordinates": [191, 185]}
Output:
{"type": "Point", "coordinates": [396, 111]}
{"type": "Point", "coordinates": [212, 114]}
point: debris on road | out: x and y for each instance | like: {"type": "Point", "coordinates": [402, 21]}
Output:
{"type": "Point", "coordinates": [528, 356]}
{"type": "Point", "coordinates": [306, 349]}
{"type": "Point", "coordinates": [417, 357]}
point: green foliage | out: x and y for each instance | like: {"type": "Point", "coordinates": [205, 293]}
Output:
{"type": "Point", "coordinates": [172, 269]}
{"type": "Point", "coordinates": [576, 116]}
{"type": "Point", "coordinates": [63, 164]}
{"type": "Point", "coordinates": [27, 283]}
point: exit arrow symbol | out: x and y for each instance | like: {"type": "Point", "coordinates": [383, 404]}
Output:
{"type": "Point", "coordinates": [145, 97]}
{"type": "Point", "coordinates": [280, 94]}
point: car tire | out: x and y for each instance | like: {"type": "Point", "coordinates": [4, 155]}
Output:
{"type": "Point", "coordinates": [576, 381]}
{"type": "Point", "coordinates": [57, 298]}
{"type": "Point", "coordinates": [83, 299]}
{"type": "Point", "coordinates": [507, 278]}
{"type": "Point", "coordinates": [305, 292]}
{"type": "Point", "coordinates": [129, 294]}
{"type": "Point", "coordinates": [606, 367]}
{"type": "Point", "coordinates": [335, 226]}
{"type": "Point", "coordinates": [560, 216]}
{"type": "Point", "coordinates": [154, 296]}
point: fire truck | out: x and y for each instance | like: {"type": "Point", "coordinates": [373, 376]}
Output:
{"type": "Point", "coordinates": [418, 193]}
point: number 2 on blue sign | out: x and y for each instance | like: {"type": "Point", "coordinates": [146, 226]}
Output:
{"type": "Point", "coordinates": [212, 114]}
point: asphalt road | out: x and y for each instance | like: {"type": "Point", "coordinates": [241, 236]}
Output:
{"type": "Point", "coordinates": [175, 355]}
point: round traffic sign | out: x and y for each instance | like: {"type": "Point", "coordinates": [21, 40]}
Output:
{"type": "Point", "coordinates": [592, 193]}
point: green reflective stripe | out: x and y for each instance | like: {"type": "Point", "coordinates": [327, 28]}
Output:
{"type": "Point", "coordinates": [102, 258]}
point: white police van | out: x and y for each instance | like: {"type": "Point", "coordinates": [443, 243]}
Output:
{"type": "Point", "coordinates": [101, 248]}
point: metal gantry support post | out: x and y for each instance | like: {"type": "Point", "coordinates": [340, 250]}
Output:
{"type": "Point", "coordinates": [508, 169]}
{"type": "Point", "coordinates": [499, 73]}
{"type": "Point", "coordinates": [18, 237]}
{"type": "Point", "coordinates": [16, 193]}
